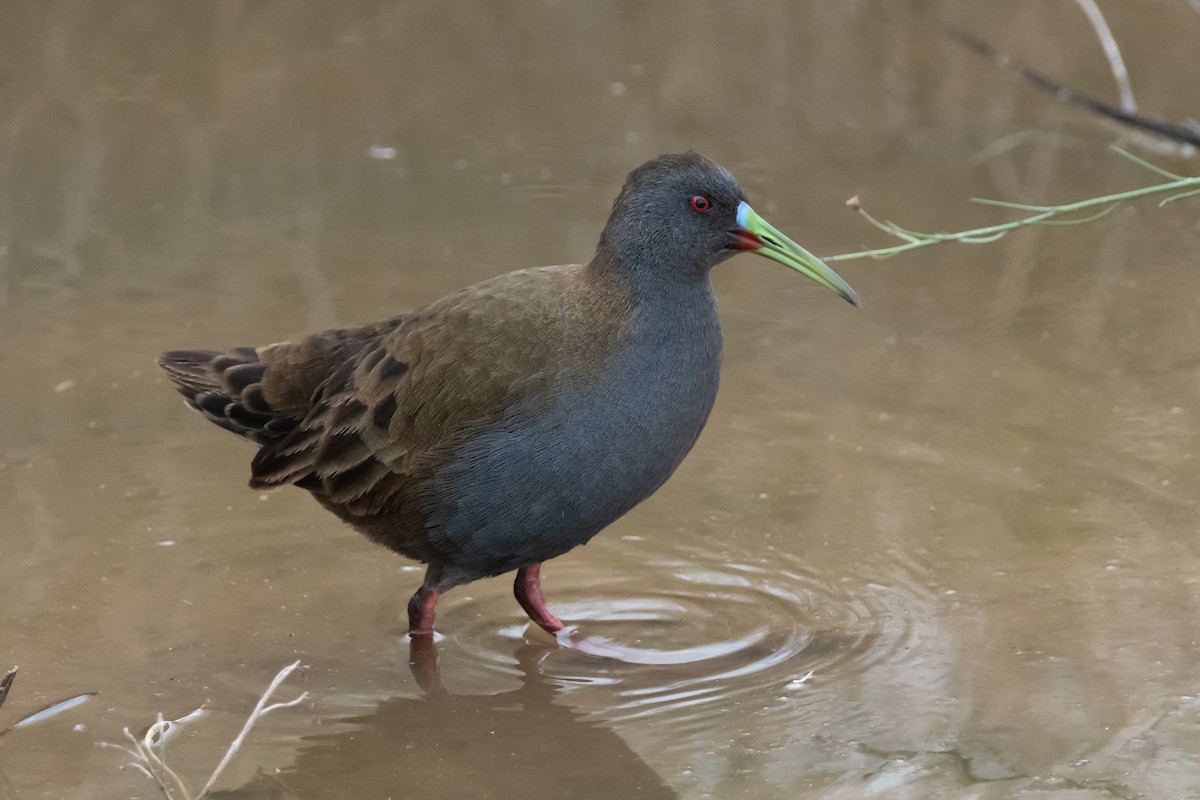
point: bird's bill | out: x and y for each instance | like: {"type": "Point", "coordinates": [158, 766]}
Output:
{"type": "Point", "coordinates": [756, 235]}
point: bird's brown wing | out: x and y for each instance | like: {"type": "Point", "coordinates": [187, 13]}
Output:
{"type": "Point", "coordinates": [407, 397]}
{"type": "Point", "coordinates": [263, 393]}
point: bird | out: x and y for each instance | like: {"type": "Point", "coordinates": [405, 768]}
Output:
{"type": "Point", "coordinates": [510, 421]}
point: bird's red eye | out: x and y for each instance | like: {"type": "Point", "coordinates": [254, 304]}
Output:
{"type": "Point", "coordinates": [701, 203]}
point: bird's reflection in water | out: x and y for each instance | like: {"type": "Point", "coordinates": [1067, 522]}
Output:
{"type": "Point", "coordinates": [514, 744]}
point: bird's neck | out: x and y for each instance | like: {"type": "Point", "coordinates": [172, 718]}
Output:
{"type": "Point", "coordinates": [647, 278]}
{"type": "Point", "coordinates": [673, 328]}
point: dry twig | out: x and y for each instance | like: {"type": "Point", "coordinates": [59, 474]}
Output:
{"type": "Point", "coordinates": [149, 753]}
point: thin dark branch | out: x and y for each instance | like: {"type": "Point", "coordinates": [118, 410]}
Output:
{"type": "Point", "coordinates": [1175, 131]}
{"type": "Point", "coordinates": [5, 684]}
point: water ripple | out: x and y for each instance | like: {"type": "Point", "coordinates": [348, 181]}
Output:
{"type": "Point", "coordinates": [685, 632]}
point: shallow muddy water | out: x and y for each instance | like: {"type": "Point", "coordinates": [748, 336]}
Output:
{"type": "Point", "coordinates": [944, 546]}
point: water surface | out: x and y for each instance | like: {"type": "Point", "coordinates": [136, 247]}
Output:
{"type": "Point", "coordinates": [944, 546]}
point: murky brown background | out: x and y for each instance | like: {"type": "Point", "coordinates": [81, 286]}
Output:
{"type": "Point", "coordinates": [968, 509]}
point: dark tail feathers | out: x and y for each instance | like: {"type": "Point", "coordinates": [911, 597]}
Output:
{"type": "Point", "coordinates": [227, 389]}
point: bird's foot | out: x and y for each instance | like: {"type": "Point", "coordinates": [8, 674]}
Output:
{"type": "Point", "coordinates": [528, 589]}
{"type": "Point", "coordinates": [571, 639]}
{"type": "Point", "coordinates": [423, 663]}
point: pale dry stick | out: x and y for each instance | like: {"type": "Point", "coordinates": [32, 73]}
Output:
{"type": "Point", "coordinates": [1112, 52]}
{"type": "Point", "coordinates": [260, 711]}
{"type": "Point", "coordinates": [154, 765]}
{"type": "Point", "coordinates": [159, 733]}
{"type": "Point", "coordinates": [41, 714]}
{"type": "Point", "coordinates": [146, 761]}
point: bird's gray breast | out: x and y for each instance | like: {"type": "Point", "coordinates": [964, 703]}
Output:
{"type": "Point", "coordinates": [537, 485]}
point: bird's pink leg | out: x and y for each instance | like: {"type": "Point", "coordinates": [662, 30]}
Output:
{"type": "Point", "coordinates": [528, 589]}
{"type": "Point", "coordinates": [421, 610]}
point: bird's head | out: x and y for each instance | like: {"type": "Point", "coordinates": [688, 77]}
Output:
{"type": "Point", "coordinates": [678, 216]}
